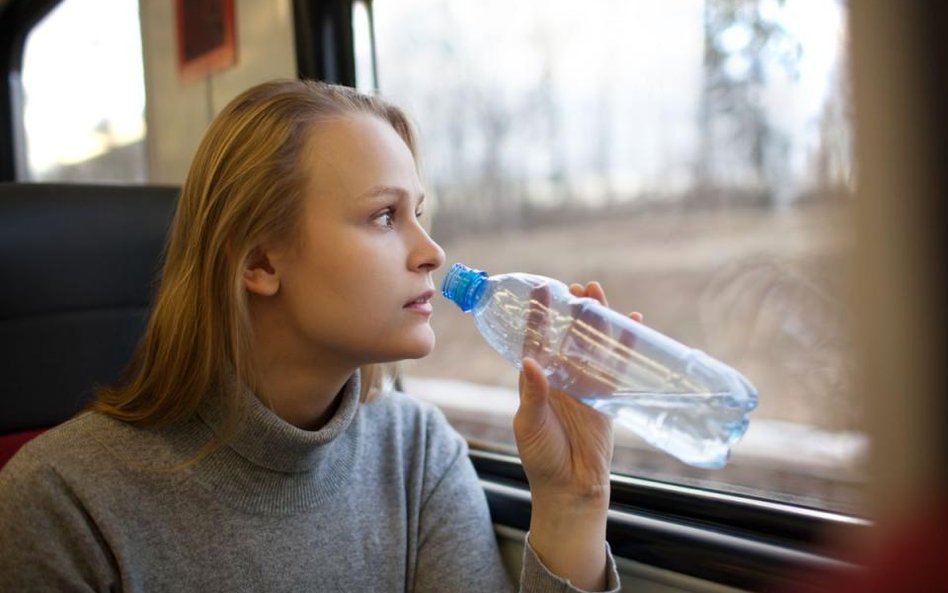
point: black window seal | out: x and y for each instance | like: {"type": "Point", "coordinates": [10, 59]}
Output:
{"type": "Point", "coordinates": [325, 48]}
{"type": "Point", "coordinates": [740, 541]}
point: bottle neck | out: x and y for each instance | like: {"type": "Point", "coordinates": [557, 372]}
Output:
{"type": "Point", "coordinates": [477, 289]}
{"type": "Point", "coordinates": [465, 286]}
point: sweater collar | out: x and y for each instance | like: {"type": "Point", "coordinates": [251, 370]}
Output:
{"type": "Point", "coordinates": [266, 440]}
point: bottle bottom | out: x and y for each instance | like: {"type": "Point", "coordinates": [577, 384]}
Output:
{"type": "Point", "coordinates": [697, 428]}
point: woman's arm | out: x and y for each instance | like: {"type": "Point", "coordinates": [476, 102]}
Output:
{"type": "Point", "coordinates": [457, 548]}
{"type": "Point", "coordinates": [47, 540]}
{"type": "Point", "coordinates": [566, 450]}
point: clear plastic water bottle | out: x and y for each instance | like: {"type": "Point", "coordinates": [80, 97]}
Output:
{"type": "Point", "coordinates": [677, 398]}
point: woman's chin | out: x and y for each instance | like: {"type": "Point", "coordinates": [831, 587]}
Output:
{"type": "Point", "coordinates": [420, 350]}
{"type": "Point", "coordinates": [420, 344]}
{"type": "Point", "coordinates": [418, 347]}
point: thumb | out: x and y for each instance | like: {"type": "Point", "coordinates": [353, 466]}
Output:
{"type": "Point", "coordinates": [534, 393]}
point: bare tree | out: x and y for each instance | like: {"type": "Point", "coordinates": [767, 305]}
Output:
{"type": "Point", "coordinates": [742, 46]}
{"type": "Point", "coordinates": [833, 162]}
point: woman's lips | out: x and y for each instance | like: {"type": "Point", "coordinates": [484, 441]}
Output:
{"type": "Point", "coordinates": [421, 303]}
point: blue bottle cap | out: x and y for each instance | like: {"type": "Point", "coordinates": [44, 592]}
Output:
{"type": "Point", "coordinates": [464, 285]}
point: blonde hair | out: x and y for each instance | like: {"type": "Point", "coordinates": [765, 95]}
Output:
{"type": "Point", "coordinates": [244, 187]}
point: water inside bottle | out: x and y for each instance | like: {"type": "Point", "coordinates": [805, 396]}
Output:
{"type": "Point", "coordinates": [698, 428]}
{"type": "Point", "coordinates": [676, 398]}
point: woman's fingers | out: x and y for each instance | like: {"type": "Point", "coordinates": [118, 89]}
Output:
{"type": "Point", "coordinates": [534, 388]}
{"type": "Point", "coordinates": [538, 323]}
{"type": "Point", "coordinates": [592, 290]}
{"type": "Point", "coordinates": [533, 414]}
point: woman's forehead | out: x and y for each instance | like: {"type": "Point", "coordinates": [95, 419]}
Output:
{"type": "Point", "coordinates": [349, 155]}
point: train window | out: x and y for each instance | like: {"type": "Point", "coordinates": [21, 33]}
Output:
{"type": "Point", "coordinates": [363, 47]}
{"type": "Point", "coordinates": [84, 94]}
{"type": "Point", "coordinates": [694, 156]}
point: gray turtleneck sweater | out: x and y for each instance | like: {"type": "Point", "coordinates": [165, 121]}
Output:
{"type": "Point", "coordinates": [383, 498]}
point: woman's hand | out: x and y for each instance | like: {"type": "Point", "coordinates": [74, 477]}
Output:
{"type": "Point", "coordinates": [566, 450]}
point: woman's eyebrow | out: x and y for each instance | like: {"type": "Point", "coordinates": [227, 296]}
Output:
{"type": "Point", "coordinates": [380, 191]}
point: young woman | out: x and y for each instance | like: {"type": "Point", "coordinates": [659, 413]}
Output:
{"type": "Point", "coordinates": [253, 445]}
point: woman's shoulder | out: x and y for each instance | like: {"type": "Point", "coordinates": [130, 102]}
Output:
{"type": "Point", "coordinates": [71, 448]}
{"type": "Point", "coordinates": [409, 419]}
{"type": "Point", "coordinates": [72, 439]}
{"type": "Point", "coordinates": [406, 410]}
{"type": "Point", "coordinates": [87, 445]}
{"type": "Point", "coordinates": [79, 439]}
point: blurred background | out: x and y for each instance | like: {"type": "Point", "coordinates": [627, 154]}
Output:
{"type": "Point", "coordinates": [694, 156]}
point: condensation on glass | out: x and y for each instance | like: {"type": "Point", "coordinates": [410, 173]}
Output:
{"type": "Point", "coordinates": [83, 102]}
{"type": "Point", "coordinates": [693, 156]}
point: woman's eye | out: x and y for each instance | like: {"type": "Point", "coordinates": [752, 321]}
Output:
{"type": "Point", "coordinates": [385, 218]}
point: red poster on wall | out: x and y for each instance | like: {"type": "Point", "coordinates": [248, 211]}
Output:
{"type": "Point", "coordinates": [206, 39]}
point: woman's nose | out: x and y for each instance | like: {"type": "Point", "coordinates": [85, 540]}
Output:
{"type": "Point", "coordinates": [427, 255]}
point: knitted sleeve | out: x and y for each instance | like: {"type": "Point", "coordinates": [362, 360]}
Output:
{"type": "Point", "coordinates": [457, 545]}
{"type": "Point", "coordinates": [47, 540]}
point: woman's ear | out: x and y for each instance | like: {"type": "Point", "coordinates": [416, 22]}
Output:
{"type": "Point", "coordinates": [259, 275]}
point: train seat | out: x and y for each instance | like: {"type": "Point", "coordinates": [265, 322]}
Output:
{"type": "Point", "coordinates": [80, 263]}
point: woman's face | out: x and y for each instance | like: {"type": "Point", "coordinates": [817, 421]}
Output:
{"type": "Point", "coordinates": [358, 289]}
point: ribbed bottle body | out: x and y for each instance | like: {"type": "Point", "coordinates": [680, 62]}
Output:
{"type": "Point", "coordinates": [677, 398]}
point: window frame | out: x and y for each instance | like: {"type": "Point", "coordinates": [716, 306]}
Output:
{"type": "Point", "coordinates": [17, 19]}
{"type": "Point", "coordinates": [735, 540]}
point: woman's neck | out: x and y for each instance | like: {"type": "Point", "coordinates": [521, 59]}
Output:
{"type": "Point", "coordinates": [298, 385]}
{"type": "Point", "coordinates": [305, 397]}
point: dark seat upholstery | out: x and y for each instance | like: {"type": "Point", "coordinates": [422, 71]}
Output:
{"type": "Point", "coordinates": [79, 265]}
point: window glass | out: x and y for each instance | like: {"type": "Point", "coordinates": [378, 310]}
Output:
{"type": "Point", "coordinates": [84, 94]}
{"type": "Point", "coordinates": [694, 157]}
